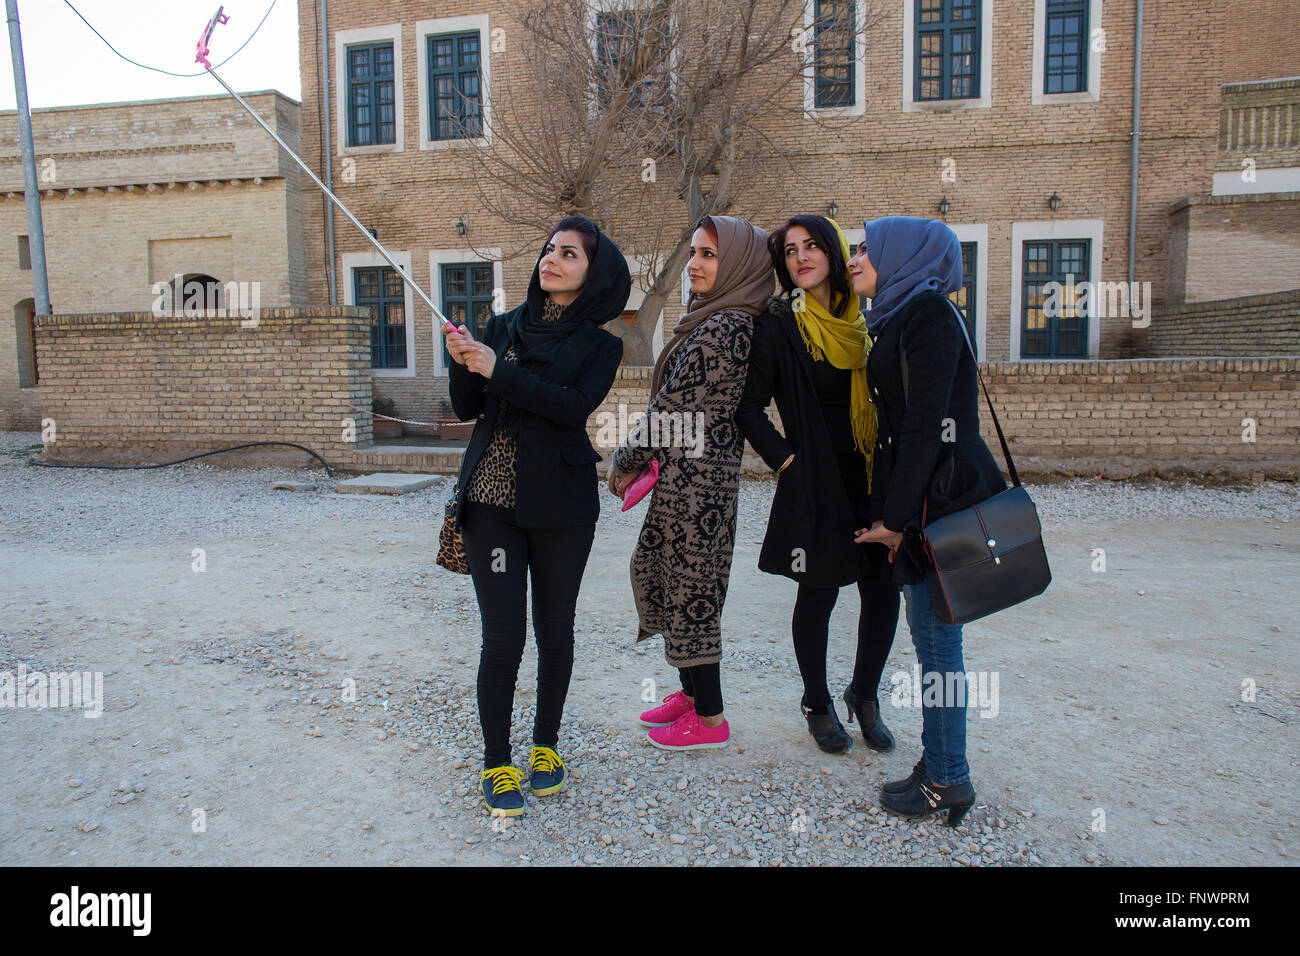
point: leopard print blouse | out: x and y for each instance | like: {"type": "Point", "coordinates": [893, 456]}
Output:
{"type": "Point", "coordinates": [493, 480]}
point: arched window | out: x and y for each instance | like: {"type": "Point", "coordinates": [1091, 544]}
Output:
{"type": "Point", "coordinates": [198, 291]}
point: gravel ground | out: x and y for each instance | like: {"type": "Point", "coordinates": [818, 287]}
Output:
{"type": "Point", "coordinates": [319, 589]}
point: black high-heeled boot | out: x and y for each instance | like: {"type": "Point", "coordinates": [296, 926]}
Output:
{"type": "Point", "coordinates": [900, 786]}
{"type": "Point", "coordinates": [926, 796]}
{"type": "Point", "coordinates": [827, 730]}
{"type": "Point", "coordinates": [874, 731]}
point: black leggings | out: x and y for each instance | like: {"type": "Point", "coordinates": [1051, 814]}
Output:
{"type": "Point", "coordinates": [877, 622]}
{"type": "Point", "coordinates": [703, 683]}
{"type": "Point", "coordinates": [501, 555]}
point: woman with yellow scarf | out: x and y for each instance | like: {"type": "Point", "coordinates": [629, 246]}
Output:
{"type": "Point", "coordinates": [810, 353]}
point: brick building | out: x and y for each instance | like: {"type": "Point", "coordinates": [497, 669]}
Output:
{"type": "Point", "coordinates": [1041, 107]}
{"type": "Point", "coordinates": [137, 193]}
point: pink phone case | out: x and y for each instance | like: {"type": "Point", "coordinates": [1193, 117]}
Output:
{"type": "Point", "coordinates": [642, 485]}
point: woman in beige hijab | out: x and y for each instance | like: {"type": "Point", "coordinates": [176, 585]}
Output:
{"type": "Point", "coordinates": [682, 561]}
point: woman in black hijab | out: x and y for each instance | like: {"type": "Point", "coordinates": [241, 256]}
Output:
{"type": "Point", "coordinates": [528, 484]}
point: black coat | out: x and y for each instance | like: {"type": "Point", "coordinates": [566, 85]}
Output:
{"type": "Point", "coordinates": [561, 378]}
{"type": "Point", "coordinates": [555, 464]}
{"type": "Point", "coordinates": [811, 525]}
{"type": "Point", "coordinates": [912, 458]}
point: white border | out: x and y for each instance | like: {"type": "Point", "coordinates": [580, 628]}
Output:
{"type": "Point", "coordinates": [1093, 91]}
{"type": "Point", "coordinates": [427, 28]}
{"type": "Point", "coordinates": [978, 233]}
{"type": "Point", "coordinates": [1278, 180]}
{"type": "Point", "coordinates": [342, 40]}
{"type": "Point", "coordinates": [447, 257]}
{"type": "Point", "coordinates": [983, 101]}
{"type": "Point", "coordinates": [365, 260]}
{"type": "Point", "coordinates": [1022, 232]}
{"type": "Point", "coordinates": [859, 106]}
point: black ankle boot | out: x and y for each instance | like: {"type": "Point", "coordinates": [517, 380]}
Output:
{"type": "Point", "coordinates": [900, 786]}
{"type": "Point", "coordinates": [827, 730]}
{"type": "Point", "coordinates": [874, 731]}
{"type": "Point", "coordinates": [925, 797]}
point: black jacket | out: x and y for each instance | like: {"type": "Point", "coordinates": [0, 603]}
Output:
{"type": "Point", "coordinates": [811, 525]}
{"type": "Point", "coordinates": [555, 465]}
{"type": "Point", "coordinates": [929, 440]}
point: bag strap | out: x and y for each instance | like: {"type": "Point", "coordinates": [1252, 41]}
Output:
{"type": "Point", "coordinates": [965, 334]}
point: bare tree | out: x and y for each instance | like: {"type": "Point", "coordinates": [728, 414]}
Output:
{"type": "Point", "coordinates": [626, 109]}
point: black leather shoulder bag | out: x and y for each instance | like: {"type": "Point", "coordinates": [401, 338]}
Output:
{"type": "Point", "coordinates": [989, 556]}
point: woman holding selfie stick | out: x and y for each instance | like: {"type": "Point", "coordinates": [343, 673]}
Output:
{"type": "Point", "coordinates": [529, 502]}
{"type": "Point", "coordinates": [682, 561]}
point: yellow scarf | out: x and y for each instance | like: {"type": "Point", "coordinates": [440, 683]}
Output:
{"type": "Point", "coordinates": [842, 340]}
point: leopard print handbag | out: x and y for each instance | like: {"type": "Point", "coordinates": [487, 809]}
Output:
{"type": "Point", "coordinates": [451, 546]}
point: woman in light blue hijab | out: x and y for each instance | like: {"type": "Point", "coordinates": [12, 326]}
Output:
{"type": "Point", "coordinates": [930, 461]}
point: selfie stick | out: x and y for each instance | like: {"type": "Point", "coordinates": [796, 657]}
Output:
{"type": "Point", "coordinates": [202, 59]}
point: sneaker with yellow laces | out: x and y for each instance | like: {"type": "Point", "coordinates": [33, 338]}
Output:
{"type": "Point", "coordinates": [549, 773]}
{"type": "Point", "coordinates": [501, 791]}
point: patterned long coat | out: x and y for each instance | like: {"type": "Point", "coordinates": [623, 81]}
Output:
{"type": "Point", "coordinates": [682, 561]}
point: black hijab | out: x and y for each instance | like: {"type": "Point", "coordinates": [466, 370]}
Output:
{"type": "Point", "coordinates": [602, 298]}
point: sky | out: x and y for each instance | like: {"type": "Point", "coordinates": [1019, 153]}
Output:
{"type": "Point", "coordinates": [67, 65]}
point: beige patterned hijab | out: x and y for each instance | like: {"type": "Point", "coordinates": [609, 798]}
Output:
{"type": "Point", "coordinates": [745, 281]}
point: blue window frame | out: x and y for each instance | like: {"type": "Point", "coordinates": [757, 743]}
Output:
{"type": "Point", "coordinates": [964, 298]}
{"type": "Point", "coordinates": [1054, 332]}
{"type": "Point", "coordinates": [455, 86]}
{"type": "Point", "coordinates": [380, 290]}
{"type": "Point", "coordinates": [833, 47]}
{"type": "Point", "coordinates": [372, 109]}
{"type": "Point", "coordinates": [466, 298]}
{"type": "Point", "coordinates": [1065, 65]}
{"type": "Point", "coordinates": [947, 50]}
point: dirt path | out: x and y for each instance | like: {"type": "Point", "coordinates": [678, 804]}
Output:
{"type": "Point", "coordinates": [1119, 691]}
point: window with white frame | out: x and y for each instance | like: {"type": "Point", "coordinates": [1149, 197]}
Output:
{"type": "Point", "coordinates": [1055, 266]}
{"type": "Point", "coordinates": [466, 289]}
{"type": "Point", "coordinates": [1068, 46]}
{"type": "Point", "coordinates": [834, 80]}
{"type": "Point", "coordinates": [947, 54]}
{"type": "Point", "coordinates": [634, 50]}
{"type": "Point", "coordinates": [371, 282]}
{"type": "Point", "coordinates": [454, 77]}
{"type": "Point", "coordinates": [368, 85]}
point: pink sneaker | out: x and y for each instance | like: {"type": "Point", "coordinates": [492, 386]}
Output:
{"type": "Point", "coordinates": [688, 732]}
{"type": "Point", "coordinates": [674, 706]}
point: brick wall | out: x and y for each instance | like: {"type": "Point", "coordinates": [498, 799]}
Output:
{"type": "Point", "coordinates": [1251, 325]}
{"type": "Point", "coordinates": [1262, 41]}
{"type": "Point", "coordinates": [133, 193]}
{"type": "Point", "coordinates": [133, 388]}
{"type": "Point", "coordinates": [1121, 418]}
{"type": "Point", "coordinates": [1223, 247]}
{"type": "Point", "coordinates": [1009, 157]}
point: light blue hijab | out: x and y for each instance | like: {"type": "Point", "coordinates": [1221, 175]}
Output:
{"type": "Point", "coordinates": [911, 256]}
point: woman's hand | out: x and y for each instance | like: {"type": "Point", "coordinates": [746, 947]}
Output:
{"type": "Point", "coordinates": [618, 482]}
{"type": "Point", "coordinates": [879, 534]}
{"type": "Point", "coordinates": [459, 342]}
{"type": "Point", "coordinates": [481, 359]}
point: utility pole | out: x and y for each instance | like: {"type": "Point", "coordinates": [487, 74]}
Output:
{"type": "Point", "coordinates": [35, 229]}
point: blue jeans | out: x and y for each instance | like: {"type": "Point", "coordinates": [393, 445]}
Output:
{"type": "Point", "coordinates": [943, 714]}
